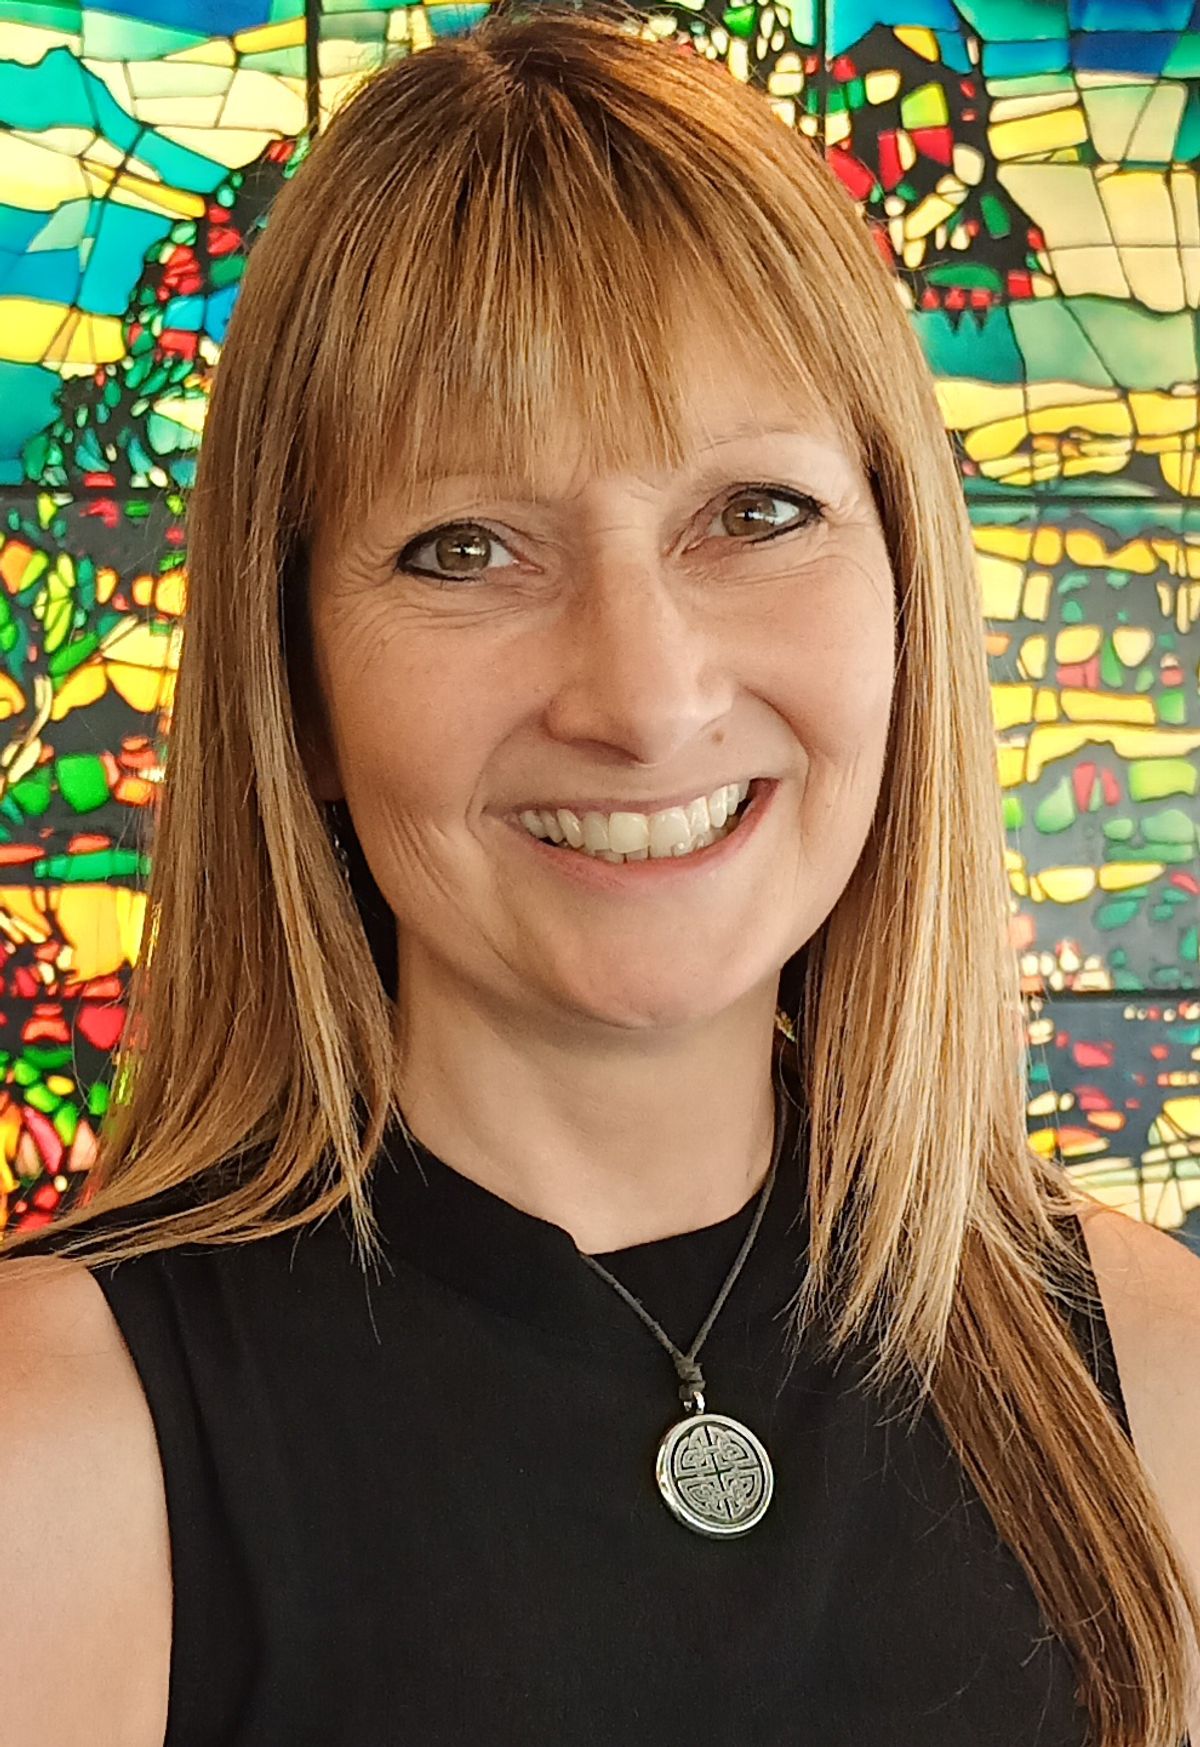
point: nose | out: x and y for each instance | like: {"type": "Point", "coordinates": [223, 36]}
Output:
{"type": "Point", "coordinates": [636, 667]}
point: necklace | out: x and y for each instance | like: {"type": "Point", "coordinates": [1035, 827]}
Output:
{"type": "Point", "coordinates": [712, 1472]}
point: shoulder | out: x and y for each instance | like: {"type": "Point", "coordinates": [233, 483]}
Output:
{"type": "Point", "coordinates": [79, 1445]}
{"type": "Point", "coordinates": [1149, 1284]}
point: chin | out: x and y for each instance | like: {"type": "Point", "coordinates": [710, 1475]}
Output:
{"type": "Point", "coordinates": [651, 1012]}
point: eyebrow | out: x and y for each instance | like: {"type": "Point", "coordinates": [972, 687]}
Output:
{"type": "Point", "coordinates": [751, 427]}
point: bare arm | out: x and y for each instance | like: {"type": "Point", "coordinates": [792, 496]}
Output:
{"type": "Point", "coordinates": [1150, 1286]}
{"type": "Point", "coordinates": [84, 1560]}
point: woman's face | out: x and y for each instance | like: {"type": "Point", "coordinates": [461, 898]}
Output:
{"type": "Point", "coordinates": [621, 643]}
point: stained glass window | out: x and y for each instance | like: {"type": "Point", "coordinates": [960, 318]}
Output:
{"type": "Point", "coordinates": [1029, 166]}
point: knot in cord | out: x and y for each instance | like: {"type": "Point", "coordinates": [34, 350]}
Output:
{"type": "Point", "coordinates": [691, 1377]}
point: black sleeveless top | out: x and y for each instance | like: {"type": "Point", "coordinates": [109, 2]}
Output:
{"type": "Point", "coordinates": [419, 1509]}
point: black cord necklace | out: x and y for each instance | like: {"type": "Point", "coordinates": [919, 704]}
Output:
{"type": "Point", "coordinates": [713, 1473]}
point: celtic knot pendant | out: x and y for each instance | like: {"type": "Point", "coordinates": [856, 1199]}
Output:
{"type": "Point", "coordinates": [714, 1474]}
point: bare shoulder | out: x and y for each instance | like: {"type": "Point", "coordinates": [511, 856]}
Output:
{"type": "Point", "coordinates": [91, 1544]}
{"type": "Point", "coordinates": [1149, 1283]}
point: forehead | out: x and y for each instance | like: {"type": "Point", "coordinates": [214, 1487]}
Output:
{"type": "Point", "coordinates": [728, 391]}
{"type": "Point", "coordinates": [549, 417]}
{"type": "Point", "coordinates": [725, 406]}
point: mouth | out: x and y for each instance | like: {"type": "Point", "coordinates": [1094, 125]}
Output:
{"type": "Point", "coordinates": [690, 834]}
{"type": "Point", "coordinates": [662, 856]}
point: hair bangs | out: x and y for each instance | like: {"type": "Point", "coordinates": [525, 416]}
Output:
{"type": "Point", "coordinates": [544, 280]}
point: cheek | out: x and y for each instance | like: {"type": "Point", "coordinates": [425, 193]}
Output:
{"type": "Point", "coordinates": [413, 728]}
{"type": "Point", "coordinates": [834, 668]}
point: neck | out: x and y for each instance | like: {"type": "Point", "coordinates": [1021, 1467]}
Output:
{"type": "Point", "coordinates": [619, 1137]}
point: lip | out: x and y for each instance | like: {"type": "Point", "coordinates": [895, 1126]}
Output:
{"type": "Point", "coordinates": [622, 876]}
{"type": "Point", "coordinates": [624, 805]}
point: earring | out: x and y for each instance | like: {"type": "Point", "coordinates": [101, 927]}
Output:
{"type": "Point", "coordinates": [339, 848]}
{"type": "Point", "coordinates": [784, 1025]}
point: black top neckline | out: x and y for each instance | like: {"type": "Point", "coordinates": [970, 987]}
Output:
{"type": "Point", "coordinates": [468, 1237]}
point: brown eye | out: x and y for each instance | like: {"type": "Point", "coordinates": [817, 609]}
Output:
{"type": "Point", "coordinates": [750, 512]}
{"type": "Point", "coordinates": [462, 551]}
{"type": "Point", "coordinates": [458, 552]}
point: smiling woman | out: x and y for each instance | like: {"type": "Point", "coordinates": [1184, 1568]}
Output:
{"type": "Point", "coordinates": [632, 641]}
{"type": "Point", "coordinates": [612, 944]}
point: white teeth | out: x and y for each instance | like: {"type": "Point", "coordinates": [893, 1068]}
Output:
{"type": "Point", "coordinates": [670, 833]}
{"type": "Point", "coordinates": [630, 836]}
{"type": "Point", "coordinates": [628, 831]}
{"type": "Point", "coordinates": [595, 832]}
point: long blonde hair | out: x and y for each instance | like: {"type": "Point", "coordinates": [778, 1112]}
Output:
{"type": "Point", "coordinates": [504, 218]}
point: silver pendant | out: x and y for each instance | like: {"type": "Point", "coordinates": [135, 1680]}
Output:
{"type": "Point", "coordinates": [714, 1474]}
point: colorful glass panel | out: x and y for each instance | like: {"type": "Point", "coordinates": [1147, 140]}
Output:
{"type": "Point", "coordinates": [1029, 166]}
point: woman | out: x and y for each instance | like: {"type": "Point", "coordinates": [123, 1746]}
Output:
{"type": "Point", "coordinates": [579, 925]}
